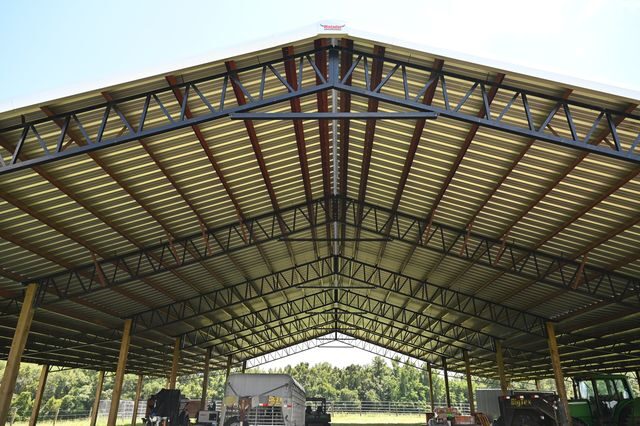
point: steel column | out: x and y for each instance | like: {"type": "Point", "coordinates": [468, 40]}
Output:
{"type": "Point", "coordinates": [122, 364]}
{"type": "Point", "coordinates": [557, 373]}
{"type": "Point", "coordinates": [537, 384]}
{"type": "Point", "coordinates": [500, 362]}
{"type": "Point", "coordinates": [446, 381]}
{"type": "Point", "coordinates": [96, 401]}
{"type": "Point", "coordinates": [44, 373]}
{"type": "Point", "coordinates": [174, 363]}
{"type": "Point", "coordinates": [205, 379]}
{"type": "Point", "coordinates": [429, 375]}
{"type": "Point", "coordinates": [17, 348]}
{"type": "Point", "coordinates": [136, 400]}
{"type": "Point", "coordinates": [244, 366]}
{"type": "Point", "coordinates": [467, 367]}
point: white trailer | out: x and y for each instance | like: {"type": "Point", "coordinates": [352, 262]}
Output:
{"type": "Point", "coordinates": [263, 400]}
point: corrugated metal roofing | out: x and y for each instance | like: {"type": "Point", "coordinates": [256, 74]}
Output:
{"type": "Point", "coordinates": [554, 200]}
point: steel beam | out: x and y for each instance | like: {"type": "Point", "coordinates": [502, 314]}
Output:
{"type": "Point", "coordinates": [117, 270]}
{"type": "Point", "coordinates": [544, 268]}
{"type": "Point", "coordinates": [238, 293]}
{"type": "Point", "coordinates": [452, 300]}
{"type": "Point", "coordinates": [25, 137]}
{"type": "Point", "coordinates": [298, 128]}
{"type": "Point", "coordinates": [333, 115]}
{"type": "Point", "coordinates": [519, 122]}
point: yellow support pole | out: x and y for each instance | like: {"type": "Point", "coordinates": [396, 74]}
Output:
{"type": "Point", "coordinates": [96, 402]}
{"type": "Point", "coordinates": [228, 368]}
{"type": "Point", "coordinates": [15, 353]}
{"type": "Point", "coordinates": [557, 373]}
{"type": "Point", "coordinates": [44, 373]}
{"type": "Point", "coordinates": [433, 407]}
{"type": "Point", "coordinates": [446, 381]}
{"type": "Point", "coordinates": [205, 380]}
{"type": "Point", "coordinates": [501, 373]}
{"type": "Point", "coordinates": [467, 367]}
{"type": "Point", "coordinates": [119, 380]}
{"type": "Point", "coordinates": [136, 400]}
{"type": "Point", "coordinates": [174, 364]}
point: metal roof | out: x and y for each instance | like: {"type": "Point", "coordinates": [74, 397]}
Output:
{"type": "Point", "coordinates": [202, 205]}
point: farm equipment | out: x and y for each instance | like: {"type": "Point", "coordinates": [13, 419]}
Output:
{"type": "Point", "coordinates": [526, 408]}
{"type": "Point", "coordinates": [450, 416]}
{"type": "Point", "coordinates": [316, 412]}
{"type": "Point", "coordinates": [604, 400]}
{"type": "Point", "coordinates": [164, 409]}
{"type": "Point", "coordinates": [600, 400]}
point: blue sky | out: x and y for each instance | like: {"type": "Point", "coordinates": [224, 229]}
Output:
{"type": "Point", "coordinates": [53, 47]}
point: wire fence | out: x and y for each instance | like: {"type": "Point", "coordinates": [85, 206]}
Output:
{"type": "Point", "coordinates": [125, 409]}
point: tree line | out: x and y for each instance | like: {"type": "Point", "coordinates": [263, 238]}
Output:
{"type": "Point", "coordinates": [73, 390]}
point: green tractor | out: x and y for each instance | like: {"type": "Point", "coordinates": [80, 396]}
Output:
{"type": "Point", "coordinates": [604, 400]}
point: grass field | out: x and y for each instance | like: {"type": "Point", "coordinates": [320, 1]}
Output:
{"type": "Point", "coordinates": [377, 418]}
{"type": "Point", "coordinates": [338, 419]}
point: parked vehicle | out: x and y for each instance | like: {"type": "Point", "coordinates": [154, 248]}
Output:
{"type": "Point", "coordinates": [604, 400]}
{"type": "Point", "coordinates": [316, 412]}
{"type": "Point", "coordinates": [600, 400]}
{"type": "Point", "coordinates": [263, 399]}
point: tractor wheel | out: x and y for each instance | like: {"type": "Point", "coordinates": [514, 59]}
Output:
{"type": "Point", "coordinates": [627, 418]}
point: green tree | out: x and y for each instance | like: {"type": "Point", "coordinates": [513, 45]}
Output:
{"type": "Point", "coordinates": [23, 403]}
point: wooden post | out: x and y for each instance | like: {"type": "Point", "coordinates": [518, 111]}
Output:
{"type": "Point", "coordinates": [446, 381]}
{"type": "Point", "coordinates": [205, 379]}
{"type": "Point", "coordinates": [467, 367]}
{"type": "Point", "coordinates": [96, 402]}
{"type": "Point", "coordinates": [500, 362]}
{"type": "Point", "coordinates": [433, 407]}
{"type": "Point", "coordinates": [228, 369]}
{"type": "Point", "coordinates": [557, 373]}
{"type": "Point", "coordinates": [244, 366]}
{"type": "Point", "coordinates": [175, 363]}
{"type": "Point", "coordinates": [44, 373]}
{"type": "Point", "coordinates": [15, 353]}
{"type": "Point", "coordinates": [136, 400]}
{"type": "Point", "coordinates": [122, 365]}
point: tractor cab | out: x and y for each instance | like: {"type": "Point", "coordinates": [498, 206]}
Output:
{"type": "Point", "coordinates": [602, 400]}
